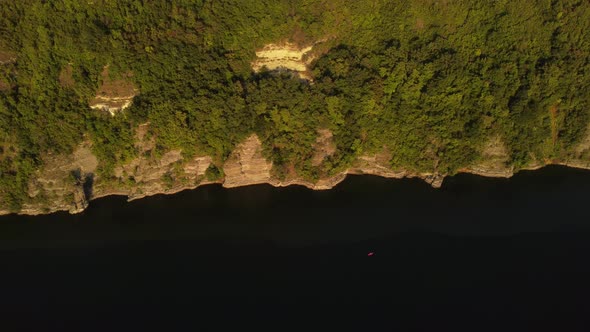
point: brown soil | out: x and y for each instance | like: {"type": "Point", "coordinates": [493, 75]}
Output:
{"type": "Point", "coordinates": [143, 142]}
{"type": "Point", "coordinates": [115, 88]}
{"type": "Point", "coordinates": [299, 38]}
{"type": "Point", "coordinates": [66, 79]}
{"type": "Point", "coordinates": [420, 24]}
{"type": "Point", "coordinates": [4, 86]}
{"type": "Point", "coordinates": [6, 57]}
{"type": "Point", "coordinates": [7, 150]}
{"type": "Point", "coordinates": [324, 146]}
{"type": "Point", "coordinates": [291, 171]}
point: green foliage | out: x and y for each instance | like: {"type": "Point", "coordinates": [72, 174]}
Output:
{"type": "Point", "coordinates": [113, 140]}
{"type": "Point", "coordinates": [168, 180]}
{"type": "Point", "coordinates": [213, 173]}
{"type": "Point", "coordinates": [287, 115]}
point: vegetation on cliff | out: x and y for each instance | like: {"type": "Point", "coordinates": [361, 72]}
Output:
{"type": "Point", "coordinates": [430, 80]}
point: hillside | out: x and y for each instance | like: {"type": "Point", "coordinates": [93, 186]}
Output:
{"type": "Point", "coordinates": [142, 97]}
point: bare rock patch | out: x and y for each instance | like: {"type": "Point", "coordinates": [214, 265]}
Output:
{"type": "Point", "coordinates": [494, 160]}
{"type": "Point", "coordinates": [246, 165]}
{"type": "Point", "coordinates": [113, 95]}
{"type": "Point", "coordinates": [66, 180]}
{"type": "Point", "coordinates": [284, 56]}
{"type": "Point", "coordinates": [324, 146]}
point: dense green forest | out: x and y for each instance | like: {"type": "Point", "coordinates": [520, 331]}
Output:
{"type": "Point", "coordinates": [430, 80]}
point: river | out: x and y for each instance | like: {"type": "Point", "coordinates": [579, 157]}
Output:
{"type": "Point", "coordinates": [370, 254]}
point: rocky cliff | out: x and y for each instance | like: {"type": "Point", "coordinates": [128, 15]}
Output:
{"type": "Point", "coordinates": [284, 56]}
{"type": "Point", "coordinates": [65, 183]}
{"type": "Point", "coordinates": [246, 165]}
{"type": "Point", "coordinates": [68, 183]}
{"type": "Point", "coordinates": [113, 95]}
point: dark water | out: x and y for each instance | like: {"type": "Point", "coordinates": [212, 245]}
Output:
{"type": "Point", "coordinates": [479, 254]}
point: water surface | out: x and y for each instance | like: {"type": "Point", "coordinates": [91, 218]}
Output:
{"type": "Point", "coordinates": [479, 253]}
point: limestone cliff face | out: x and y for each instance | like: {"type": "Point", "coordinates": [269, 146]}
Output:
{"type": "Point", "coordinates": [494, 161]}
{"type": "Point", "coordinates": [580, 158]}
{"type": "Point", "coordinates": [113, 95]}
{"type": "Point", "coordinates": [284, 56]}
{"type": "Point", "coordinates": [67, 183]}
{"type": "Point", "coordinates": [149, 175]}
{"type": "Point", "coordinates": [64, 183]}
{"type": "Point", "coordinates": [246, 165]}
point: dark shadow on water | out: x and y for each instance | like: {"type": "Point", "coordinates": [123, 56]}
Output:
{"type": "Point", "coordinates": [360, 208]}
{"type": "Point", "coordinates": [476, 252]}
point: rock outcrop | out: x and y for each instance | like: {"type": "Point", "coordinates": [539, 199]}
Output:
{"type": "Point", "coordinates": [284, 56]}
{"type": "Point", "coordinates": [68, 182]}
{"type": "Point", "coordinates": [64, 183]}
{"type": "Point", "coordinates": [168, 174]}
{"type": "Point", "coordinates": [378, 164]}
{"type": "Point", "coordinates": [494, 160]}
{"type": "Point", "coordinates": [113, 95]}
{"type": "Point", "coordinates": [246, 165]}
{"type": "Point", "coordinates": [149, 175]}
{"type": "Point", "coordinates": [581, 154]}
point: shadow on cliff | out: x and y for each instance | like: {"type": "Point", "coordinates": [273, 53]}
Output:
{"type": "Point", "coordinates": [87, 185]}
{"type": "Point", "coordinates": [85, 181]}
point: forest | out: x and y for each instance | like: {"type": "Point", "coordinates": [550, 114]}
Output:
{"type": "Point", "coordinates": [429, 80]}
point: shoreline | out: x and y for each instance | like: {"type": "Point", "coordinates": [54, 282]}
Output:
{"type": "Point", "coordinates": [433, 179]}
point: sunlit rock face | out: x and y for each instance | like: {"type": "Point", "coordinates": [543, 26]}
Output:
{"type": "Point", "coordinates": [580, 157]}
{"type": "Point", "coordinates": [65, 182]}
{"type": "Point", "coordinates": [284, 56]}
{"type": "Point", "coordinates": [246, 165]}
{"type": "Point", "coordinates": [113, 95]}
{"type": "Point", "coordinates": [494, 160]}
{"type": "Point", "coordinates": [150, 174]}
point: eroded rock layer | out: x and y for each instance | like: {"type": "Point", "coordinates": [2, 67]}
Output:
{"type": "Point", "coordinates": [65, 182]}
{"type": "Point", "coordinates": [284, 56]}
{"type": "Point", "coordinates": [68, 182]}
{"type": "Point", "coordinates": [246, 165]}
{"type": "Point", "coordinates": [113, 95]}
